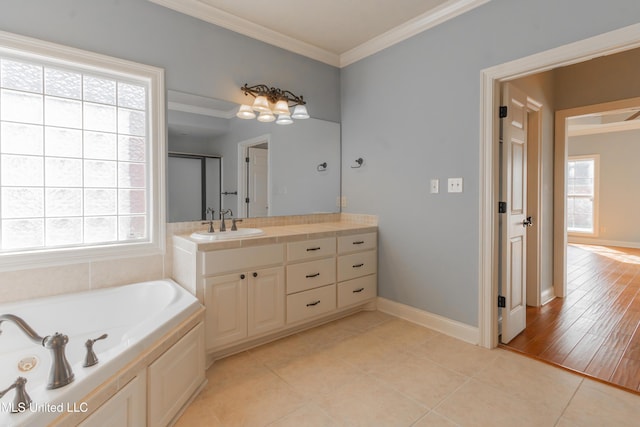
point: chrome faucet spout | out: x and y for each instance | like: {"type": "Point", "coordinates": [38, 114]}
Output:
{"type": "Point", "coordinates": [60, 373]}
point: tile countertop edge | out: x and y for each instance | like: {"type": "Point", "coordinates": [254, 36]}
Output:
{"type": "Point", "coordinates": [278, 234]}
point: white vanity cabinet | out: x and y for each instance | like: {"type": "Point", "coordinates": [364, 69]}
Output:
{"type": "Point", "coordinates": [258, 292]}
{"type": "Point", "coordinates": [357, 269]}
{"type": "Point", "coordinates": [246, 303]}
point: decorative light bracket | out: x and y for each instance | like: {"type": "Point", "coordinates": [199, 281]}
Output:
{"type": "Point", "coordinates": [273, 94]}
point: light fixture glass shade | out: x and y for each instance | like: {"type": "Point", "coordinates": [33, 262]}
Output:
{"type": "Point", "coordinates": [284, 119]}
{"type": "Point", "coordinates": [266, 117]}
{"type": "Point", "coordinates": [282, 107]}
{"type": "Point", "coordinates": [300, 112]}
{"type": "Point", "coordinates": [261, 104]}
{"type": "Point", "coordinates": [245, 112]}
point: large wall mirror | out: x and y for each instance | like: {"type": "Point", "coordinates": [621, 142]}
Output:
{"type": "Point", "coordinates": [219, 161]}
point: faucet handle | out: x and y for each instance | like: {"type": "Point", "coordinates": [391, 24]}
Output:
{"type": "Point", "coordinates": [233, 224]}
{"type": "Point", "coordinates": [22, 401]}
{"type": "Point", "coordinates": [91, 358]}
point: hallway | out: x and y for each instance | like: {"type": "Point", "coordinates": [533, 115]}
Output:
{"type": "Point", "coordinates": [594, 330]}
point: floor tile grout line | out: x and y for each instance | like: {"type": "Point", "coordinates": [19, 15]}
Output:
{"type": "Point", "coordinates": [569, 401]}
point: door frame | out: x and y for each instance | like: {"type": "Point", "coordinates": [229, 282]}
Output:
{"type": "Point", "coordinates": [243, 147]}
{"type": "Point", "coordinates": [561, 156]}
{"type": "Point", "coordinates": [490, 79]}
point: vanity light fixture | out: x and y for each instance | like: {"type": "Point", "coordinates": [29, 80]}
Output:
{"type": "Point", "coordinates": [272, 101]}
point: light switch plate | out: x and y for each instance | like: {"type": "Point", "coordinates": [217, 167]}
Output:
{"type": "Point", "coordinates": [455, 185]}
{"type": "Point", "coordinates": [435, 186]}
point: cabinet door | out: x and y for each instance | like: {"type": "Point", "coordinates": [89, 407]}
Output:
{"type": "Point", "coordinates": [174, 377]}
{"type": "Point", "coordinates": [127, 408]}
{"type": "Point", "coordinates": [226, 315]}
{"type": "Point", "coordinates": [266, 300]}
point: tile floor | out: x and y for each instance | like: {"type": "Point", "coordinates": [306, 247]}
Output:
{"type": "Point", "coordinates": [371, 369]}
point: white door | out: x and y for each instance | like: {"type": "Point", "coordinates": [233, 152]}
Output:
{"type": "Point", "coordinates": [258, 182]}
{"type": "Point", "coordinates": [514, 222]}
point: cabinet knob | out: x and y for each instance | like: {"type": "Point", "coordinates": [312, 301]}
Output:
{"type": "Point", "coordinates": [242, 276]}
{"type": "Point", "coordinates": [255, 274]}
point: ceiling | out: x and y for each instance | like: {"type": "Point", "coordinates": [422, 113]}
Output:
{"type": "Point", "coordinates": [337, 32]}
{"type": "Point", "coordinates": [604, 122]}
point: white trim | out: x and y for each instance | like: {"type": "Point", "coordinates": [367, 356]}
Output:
{"type": "Point", "coordinates": [438, 323]}
{"type": "Point", "coordinates": [231, 22]}
{"type": "Point", "coordinates": [430, 19]}
{"type": "Point", "coordinates": [601, 242]}
{"type": "Point", "coordinates": [43, 51]}
{"type": "Point", "coordinates": [580, 130]}
{"type": "Point", "coordinates": [547, 296]}
{"type": "Point", "coordinates": [427, 20]}
{"type": "Point", "coordinates": [203, 111]}
{"type": "Point", "coordinates": [615, 41]}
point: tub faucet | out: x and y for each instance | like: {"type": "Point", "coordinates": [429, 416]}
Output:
{"type": "Point", "coordinates": [60, 373]}
{"type": "Point", "coordinates": [22, 401]}
{"type": "Point", "coordinates": [223, 226]}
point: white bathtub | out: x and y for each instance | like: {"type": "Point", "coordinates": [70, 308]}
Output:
{"type": "Point", "coordinates": [135, 316]}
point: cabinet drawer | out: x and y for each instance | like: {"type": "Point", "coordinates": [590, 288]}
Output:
{"type": "Point", "coordinates": [357, 242]}
{"type": "Point", "coordinates": [305, 305]}
{"type": "Point", "coordinates": [309, 275]}
{"type": "Point", "coordinates": [356, 265]}
{"type": "Point", "coordinates": [224, 261]}
{"type": "Point", "coordinates": [357, 290]}
{"type": "Point", "coordinates": [308, 249]}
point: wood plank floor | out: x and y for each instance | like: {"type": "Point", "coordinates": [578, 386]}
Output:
{"type": "Point", "coordinates": [594, 330]}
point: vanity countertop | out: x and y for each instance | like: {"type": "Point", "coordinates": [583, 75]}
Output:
{"type": "Point", "coordinates": [277, 234]}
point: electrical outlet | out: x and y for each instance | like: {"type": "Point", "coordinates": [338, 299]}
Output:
{"type": "Point", "coordinates": [343, 202]}
{"type": "Point", "coordinates": [338, 201]}
{"type": "Point", "coordinates": [435, 186]}
{"type": "Point", "coordinates": [454, 185]}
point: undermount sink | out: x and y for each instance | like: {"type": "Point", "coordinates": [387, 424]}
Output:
{"type": "Point", "coordinates": [227, 235]}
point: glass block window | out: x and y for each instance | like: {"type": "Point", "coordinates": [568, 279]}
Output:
{"type": "Point", "coordinates": [74, 156]}
{"type": "Point", "coordinates": [582, 195]}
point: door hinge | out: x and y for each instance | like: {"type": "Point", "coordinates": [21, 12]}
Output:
{"type": "Point", "coordinates": [246, 200]}
{"type": "Point", "coordinates": [503, 111]}
{"type": "Point", "coordinates": [502, 207]}
{"type": "Point", "coordinates": [502, 301]}
{"type": "Point", "coordinates": [246, 159]}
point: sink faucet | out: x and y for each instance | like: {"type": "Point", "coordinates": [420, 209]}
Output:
{"type": "Point", "coordinates": [223, 226]}
{"type": "Point", "coordinates": [210, 222]}
{"type": "Point", "coordinates": [60, 373]}
{"type": "Point", "coordinates": [22, 400]}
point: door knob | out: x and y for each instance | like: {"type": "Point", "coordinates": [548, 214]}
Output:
{"type": "Point", "coordinates": [527, 222]}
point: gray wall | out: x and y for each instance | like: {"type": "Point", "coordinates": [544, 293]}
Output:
{"type": "Point", "coordinates": [198, 57]}
{"type": "Point", "coordinates": [411, 111]}
{"type": "Point", "coordinates": [619, 206]}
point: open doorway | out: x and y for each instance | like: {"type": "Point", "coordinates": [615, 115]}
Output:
{"type": "Point", "coordinates": [254, 178]}
{"type": "Point", "coordinates": [580, 52]}
{"type": "Point", "coordinates": [607, 44]}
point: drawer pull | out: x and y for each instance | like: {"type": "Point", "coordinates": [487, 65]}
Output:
{"type": "Point", "coordinates": [357, 291]}
{"type": "Point", "coordinates": [359, 242]}
{"type": "Point", "coordinates": [357, 265]}
{"type": "Point", "coordinates": [311, 304]}
{"type": "Point", "coordinates": [313, 249]}
{"type": "Point", "coordinates": [309, 276]}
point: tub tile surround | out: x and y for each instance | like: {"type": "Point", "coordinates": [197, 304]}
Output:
{"type": "Point", "coordinates": [48, 281]}
{"type": "Point", "coordinates": [434, 380]}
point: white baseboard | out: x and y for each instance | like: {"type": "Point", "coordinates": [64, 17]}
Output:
{"type": "Point", "coordinates": [592, 241]}
{"type": "Point", "coordinates": [438, 323]}
{"type": "Point", "coordinates": [547, 295]}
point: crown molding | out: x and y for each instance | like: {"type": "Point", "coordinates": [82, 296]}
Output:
{"type": "Point", "coordinates": [231, 22]}
{"type": "Point", "coordinates": [430, 19]}
{"type": "Point", "coordinates": [213, 15]}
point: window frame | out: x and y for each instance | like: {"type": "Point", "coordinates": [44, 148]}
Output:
{"type": "Point", "coordinates": [40, 51]}
{"type": "Point", "coordinates": [596, 194]}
